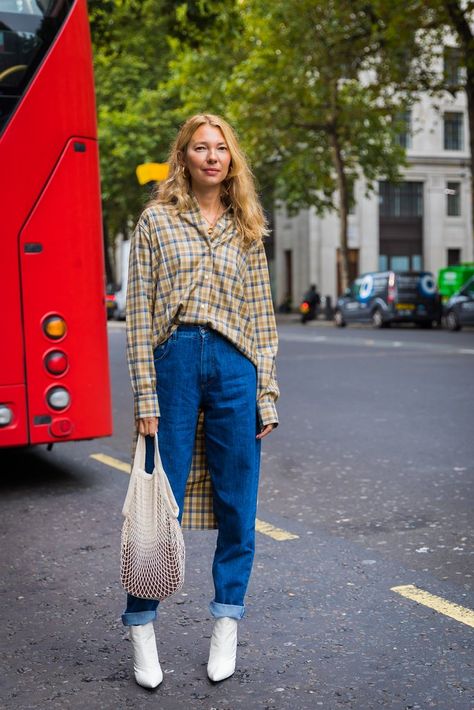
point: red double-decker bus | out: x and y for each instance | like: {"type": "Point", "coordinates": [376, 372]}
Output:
{"type": "Point", "coordinates": [54, 371]}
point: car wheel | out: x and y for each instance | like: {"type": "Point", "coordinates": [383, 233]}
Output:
{"type": "Point", "coordinates": [452, 321]}
{"type": "Point", "coordinates": [339, 319]}
{"type": "Point", "coordinates": [377, 319]}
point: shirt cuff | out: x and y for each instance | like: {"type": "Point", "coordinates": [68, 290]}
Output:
{"type": "Point", "coordinates": [146, 406]}
{"type": "Point", "coordinates": [267, 412]}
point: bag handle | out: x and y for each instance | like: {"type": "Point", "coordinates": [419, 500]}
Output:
{"type": "Point", "coordinates": [158, 471]}
{"type": "Point", "coordinates": [166, 490]}
{"type": "Point", "coordinates": [138, 462]}
{"type": "Point", "coordinates": [140, 453]}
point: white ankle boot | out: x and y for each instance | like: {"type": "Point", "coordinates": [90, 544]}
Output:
{"type": "Point", "coordinates": [145, 656]}
{"type": "Point", "coordinates": [223, 649]}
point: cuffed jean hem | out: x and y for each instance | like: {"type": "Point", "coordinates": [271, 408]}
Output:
{"type": "Point", "coordinates": [234, 611]}
{"type": "Point", "coordinates": [138, 618]}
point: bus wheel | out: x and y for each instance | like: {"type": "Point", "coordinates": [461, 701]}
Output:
{"type": "Point", "coordinates": [452, 321]}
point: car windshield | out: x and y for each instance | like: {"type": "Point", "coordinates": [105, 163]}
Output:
{"type": "Point", "coordinates": [468, 289]}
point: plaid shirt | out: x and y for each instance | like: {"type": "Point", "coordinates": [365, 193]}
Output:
{"type": "Point", "coordinates": [180, 274]}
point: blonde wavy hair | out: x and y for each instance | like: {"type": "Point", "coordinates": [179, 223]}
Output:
{"type": "Point", "coordinates": [237, 190]}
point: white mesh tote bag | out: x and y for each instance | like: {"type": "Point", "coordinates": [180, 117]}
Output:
{"type": "Point", "coordinates": [152, 545]}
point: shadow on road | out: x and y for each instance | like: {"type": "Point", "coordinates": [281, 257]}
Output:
{"type": "Point", "coordinates": [34, 468]}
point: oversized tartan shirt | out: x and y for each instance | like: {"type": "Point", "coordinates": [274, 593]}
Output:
{"type": "Point", "coordinates": [180, 274]}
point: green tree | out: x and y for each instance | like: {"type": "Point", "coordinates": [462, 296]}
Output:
{"type": "Point", "coordinates": [138, 109]}
{"type": "Point", "coordinates": [131, 54]}
{"type": "Point", "coordinates": [313, 89]}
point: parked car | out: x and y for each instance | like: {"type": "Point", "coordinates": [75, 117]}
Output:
{"type": "Point", "coordinates": [459, 310]}
{"type": "Point", "coordinates": [385, 297]}
{"type": "Point", "coordinates": [110, 301]}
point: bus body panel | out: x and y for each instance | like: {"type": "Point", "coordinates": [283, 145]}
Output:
{"type": "Point", "coordinates": [16, 434]}
{"type": "Point", "coordinates": [70, 273]}
{"type": "Point", "coordinates": [58, 105]}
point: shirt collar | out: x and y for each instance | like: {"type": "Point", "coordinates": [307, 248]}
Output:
{"type": "Point", "coordinates": [194, 217]}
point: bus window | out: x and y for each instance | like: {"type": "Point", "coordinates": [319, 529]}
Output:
{"type": "Point", "coordinates": [27, 30]}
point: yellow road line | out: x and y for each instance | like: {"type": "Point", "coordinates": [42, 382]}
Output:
{"type": "Point", "coordinates": [262, 527]}
{"type": "Point", "coordinates": [110, 461]}
{"type": "Point", "coordinates": [273, 532]}
{"type": "Point", "coordinates": [455, 611]}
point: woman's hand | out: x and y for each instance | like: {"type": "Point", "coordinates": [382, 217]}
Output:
{"type": "Point", "coordinates": [265, 431]}
{"type": "Point", "coordinates": [148, 426]}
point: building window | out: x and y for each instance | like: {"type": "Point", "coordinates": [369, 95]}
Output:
{"type": "Point", "coordinates": [454, 257]}
{"type": "Point", "coordinates": [453, 131]}
{"type": "Point", "coordinates": [404, 199]}
{"type": "Point", "coordinates": [453, 201]}
{"type": "Point", "coordinates": [401, 262]}
{"type": "Point", "coordinates": [454, 74]}
{"type": "Point", "coordinates": [404, 137]}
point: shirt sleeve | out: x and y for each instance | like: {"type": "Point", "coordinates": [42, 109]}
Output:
{"type": "Point", "coordinates": [139, 322]}
{"type": "Point", "coordinates": [259, 300]}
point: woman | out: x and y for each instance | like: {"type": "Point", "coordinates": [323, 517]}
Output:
{"type": "Point", "coordinates": [201, 347]}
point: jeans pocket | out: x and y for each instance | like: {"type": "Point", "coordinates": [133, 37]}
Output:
{"type": "Point", "coordinates": [161, 351]}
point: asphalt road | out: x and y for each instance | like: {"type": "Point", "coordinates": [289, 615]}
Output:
{"type": "Point", "coordinates": [370, 472]}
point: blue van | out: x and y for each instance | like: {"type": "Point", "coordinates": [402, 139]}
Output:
{"type": "Point", "coordinates": [385, 297]}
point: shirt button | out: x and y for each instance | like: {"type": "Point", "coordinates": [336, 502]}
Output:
{"type": "Point", "coordinates": [202, 305]}
{"type": "Point", "coordinates": [206, 276]}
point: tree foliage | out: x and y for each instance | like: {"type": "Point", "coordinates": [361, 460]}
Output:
{"type": "Point", "coordinates": [310, 87]}
{"type": "Point", "coordinates": [315, 89]}
{"type": "Point", "coordinates": [131, 54]}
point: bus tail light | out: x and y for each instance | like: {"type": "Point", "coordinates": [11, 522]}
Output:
{"type": "Point", "coordinates": [6, 415]}
{"type": "Point", "coordinates": [55, 327]}
{"type": "Point", "coordinates": [58, 398]}
{"type": "Point", "coordinates": [56, 362]}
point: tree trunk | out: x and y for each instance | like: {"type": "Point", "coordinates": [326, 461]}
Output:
{"type": "Point", "coordinates": [343, 207]}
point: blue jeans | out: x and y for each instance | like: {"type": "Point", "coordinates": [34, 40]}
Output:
{"type": "Point", "coordinates": [199, 368]}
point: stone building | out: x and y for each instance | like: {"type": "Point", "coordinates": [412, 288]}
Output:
{"type": "Point", "coordinates": [422, 223]}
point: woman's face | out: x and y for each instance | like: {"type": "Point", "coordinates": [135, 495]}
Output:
{"type": "Point", "coordinates": [207, 157]}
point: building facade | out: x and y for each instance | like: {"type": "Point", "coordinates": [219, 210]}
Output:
{"type": "Point", "coordinates": [422, 223]}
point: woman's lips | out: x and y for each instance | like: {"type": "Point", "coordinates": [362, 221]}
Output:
{"type": "Point", "coordinates": [211, 171]}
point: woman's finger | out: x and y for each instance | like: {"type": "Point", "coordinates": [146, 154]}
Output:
{"type": "Point", "coordinates": [148, 426]}
{"type": "Point", "coordinates": [265, 431]}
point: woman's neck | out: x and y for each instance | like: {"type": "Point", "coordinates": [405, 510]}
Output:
{"type": "Point", "coordinates": [208, 200]}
